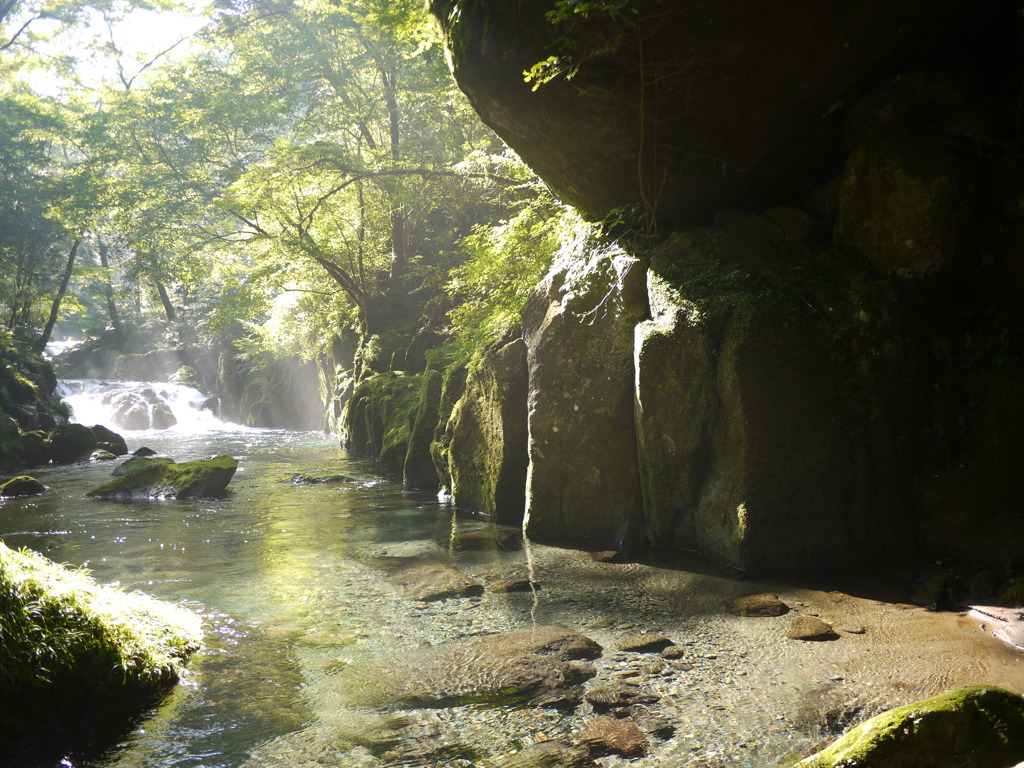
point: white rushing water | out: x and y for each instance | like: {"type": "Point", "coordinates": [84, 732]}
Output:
{"type": "Point", "coordinates": [142, 405]}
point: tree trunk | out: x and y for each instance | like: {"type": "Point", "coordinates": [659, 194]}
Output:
{"type": "Point", "coordinates": [398, 249]}
{"type": "Point", "coordinates": [108, 293]}
{"type": "Point", "coordinates": [165, 299]}
{"type": "Point", "coordinates": [44, 338]}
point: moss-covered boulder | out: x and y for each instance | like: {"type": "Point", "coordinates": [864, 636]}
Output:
{"type": "Point", "coordinates": [21, 486]}
{"type": "Point", "coordinates": [160, 479]}
{"type": "Point", "coordinates": [488, 439]}
{"type": "Point", "coordinates": [578, 325]}
{"type": "Point", "coordinates": [68, 645]}
{"type": "Point", "coordinates": [380, 416]}
{"type": "Point", "coordinates": [979, 726]}
{"type": "Point", "coordinates": [139, 462]}
{"type": "Point", "coordinates": [68, 443]}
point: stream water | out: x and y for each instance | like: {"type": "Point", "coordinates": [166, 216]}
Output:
{"type": "Point", "coordinates": [297, 611]}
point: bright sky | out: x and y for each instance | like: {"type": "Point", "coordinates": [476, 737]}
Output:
{"type": "Point", "coordinates": [140, 36]}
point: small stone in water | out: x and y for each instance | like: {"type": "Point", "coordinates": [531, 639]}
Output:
{"type": "Point", "coordinates": [644, 643]}
{"type": "Point", "coordinates": [811, 628]}
{"type": "Point", "coordinates": [673, 652]}
{"type": "Point", "coordinates": [608, 735]}
{"type": "Point", "coordinates": [761, 605]}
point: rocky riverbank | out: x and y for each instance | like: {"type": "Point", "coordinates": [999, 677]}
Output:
{"type": "Point", "coordinates": [713, 689]}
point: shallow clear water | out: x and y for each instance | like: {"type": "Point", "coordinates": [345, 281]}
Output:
{"type": "Point", "coordinates": [298, 615]}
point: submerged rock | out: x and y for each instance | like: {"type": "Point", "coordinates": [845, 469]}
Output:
{"type": "Point", "coordinates": [514, 585]}
{"type": "Point", "coordinates": [980, 726]}
{"type": "Point", "coordinates": [429, 580]}
{"type": "Point", "coordinates": [21, 486]}
{"type": "Point", "coordinates": [760, 605]}
{"type": "Point", "coordinates": [301, 479]}
{"type": "Point", "coordinates": [611, 736]}
{"type": "Point", "coordinates": [163, 479]}
{"type": "Point", "coordinates": [101, 454]}
{"type": "Point", "coordinates": [551, 754]}
{"type": "Point", "coordinates": [486, 539]}
{"type": "Point", "coordinates": [618, 696]}
{"type": "Point", "coordinates": [538, 666]}
{"type": "Point", "coordinates": [811, 628]}
{"type": "Point", "coordinates": [645, 643]}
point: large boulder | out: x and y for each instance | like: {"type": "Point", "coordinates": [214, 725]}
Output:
{"type": "Point", "coordinates": [109, 440]}
{"type": "Point", "coordinates": [742, 434]}
{"type": "Point", "coordinates": [578, 324]}
{"type": "Point", "coordinates": [690, 107]}
{"type": "Point", "coordinates": [979, 726]}
{"type": "Point", "coordinates": [154, 478]}
{"type": "Point", "coordinates": [68, 443]}
{"type": "Point", "coordinates": [487, 435]}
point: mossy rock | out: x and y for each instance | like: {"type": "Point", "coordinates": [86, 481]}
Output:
{"type": "Point", "coordinates": [21, 486]}
{"type": "Point", "coordinates": [1014, 596]}
{"type": "Point", "coordinates": [69, 443]}
{"type": "Point", "coordinates": [69, 644]}
{"type": "Point", "coordinates": [979, 726]}
{"type": "Point", "coordinates": [985, 585]}
{"type": "Point", "coordinates": [139, 462]}
{"type": "Point", "coordinates": [158, 479]}
{"type": "Point", "coordinates": [942, 593]}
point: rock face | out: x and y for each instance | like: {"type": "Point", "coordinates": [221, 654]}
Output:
{"type": "Point", "coordinates": [160, 479]}
{"type": "Point", "coordinates": [578, 324]}
{"type": "Point", "coordinates": [978, 726]}
{"type": "Point", "coordinates": [538, 665]}
{"type": "Point", "coordinates": [685, 109]}
{"type": "Point", "coordinates": [68, 443]}
{"type": "Point", "coordinates": [487, 437]}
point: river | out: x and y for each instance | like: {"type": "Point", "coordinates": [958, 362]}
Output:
{"type": "Point", "coordinates": [296, 610]}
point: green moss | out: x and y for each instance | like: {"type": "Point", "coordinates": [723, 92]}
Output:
{"type": "Point", "coordinates": [66, 639]}
{"type": "Point", "coordinates": [159, 479]}
{"type": "Point", "coordinates": [979, 726]}
{"type": "Point", "coordinates": [941, 593]}
{"type": "Point", "coordinates": [1014, 596]}
{"type": "Point", "coordinates": [21, 486]}
{"type": "Point", "coordinates": [386, 405]}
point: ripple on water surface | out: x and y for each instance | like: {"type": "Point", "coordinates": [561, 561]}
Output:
{"type": "Point", "coordinates": [301, 619]}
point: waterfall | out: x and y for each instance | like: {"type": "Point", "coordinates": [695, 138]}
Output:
{"type": "Point", "coordinates": [142, 405]}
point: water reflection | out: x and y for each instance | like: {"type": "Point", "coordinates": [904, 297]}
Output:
{"type": "Point", "coordinates": [299, 612]}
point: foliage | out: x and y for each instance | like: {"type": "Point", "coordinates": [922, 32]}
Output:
{"type": "Point", "coordinates": [61, 631]}
{"type": "Point", "coordinates": [505, 262]}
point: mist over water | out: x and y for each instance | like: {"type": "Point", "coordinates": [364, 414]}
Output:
{"type": "Point", "coordinates": [107, 402]}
